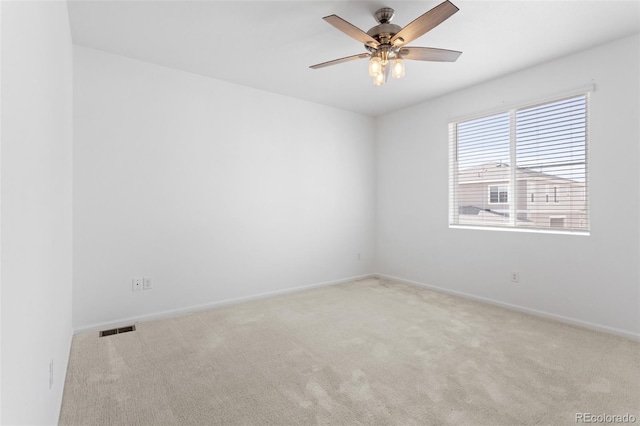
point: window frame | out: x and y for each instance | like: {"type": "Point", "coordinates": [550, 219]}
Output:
{"type": "Point", "coordinates": [512, 109]}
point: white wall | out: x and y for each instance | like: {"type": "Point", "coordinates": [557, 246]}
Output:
{"type": "Point", "coordinates": [215, 190]}
{"type": "Point", "coordinates": [592, 279]}
{"type": "Point", "coordinates": [36, 182]}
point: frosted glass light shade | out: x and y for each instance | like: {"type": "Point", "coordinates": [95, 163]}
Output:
{"type": "Point", "coordinates": [398, 68]}
{"type": "Point", "coordinates": [375, 66]}
{"type": "Point", "coordinates": [378, 80]}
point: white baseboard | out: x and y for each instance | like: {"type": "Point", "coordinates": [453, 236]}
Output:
{"type": "Point", "coordinates": [226, 302]}
{"type": "Point", "coordinates": [203, 307]}
{"type": "Point", "coordinates": [63, 378]}
{"type": "Point", "coordinates": [535, 312]}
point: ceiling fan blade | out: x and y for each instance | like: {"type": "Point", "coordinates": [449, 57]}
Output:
{"type": "Point", "coordinates": [424, 23]}
{"type": "Point", "coordinates": [351, 30]}
{"type": "Point", "coordinates": [339, 61]}
{"type": "Point", "coordinates": [429, 54]}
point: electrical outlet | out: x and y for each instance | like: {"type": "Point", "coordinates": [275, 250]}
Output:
{"type": "Point", "coordinates": [146, 283]}
{"type": "Point", "coordinates": [136, 284]}
{"type": "Point", "coordinates": [50, 374]}
{"type": "Point", "coordinates": [515, 277]}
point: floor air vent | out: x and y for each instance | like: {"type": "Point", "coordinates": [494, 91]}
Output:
{"type": "Point", "coordinates": [120, 330]}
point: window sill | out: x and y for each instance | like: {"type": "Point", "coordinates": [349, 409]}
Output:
{"type": "Point", "coordinates": [527, 230]}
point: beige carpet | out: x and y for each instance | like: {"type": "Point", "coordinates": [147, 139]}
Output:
{"type": "Point", "coordinates": [368, 352]}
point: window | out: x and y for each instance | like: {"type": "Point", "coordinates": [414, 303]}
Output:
{"type": "Point", "coordinates": [547, 146]}
{"type": "Point", "coordinates": [556, 222]}
{"type": "Point", "coordinates": [498, 194]}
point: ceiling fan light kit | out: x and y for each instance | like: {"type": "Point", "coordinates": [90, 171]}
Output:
{"type": "Point", "coordinates": [386, 42]}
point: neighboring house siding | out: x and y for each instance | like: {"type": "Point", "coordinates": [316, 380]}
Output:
{"type": "Point", "coordinates": [557, 202]}
{"type": "Point", "coordinates": [565, 199]}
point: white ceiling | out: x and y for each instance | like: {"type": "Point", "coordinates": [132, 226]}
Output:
{"type": "Point", "coordinates": [269, 45]}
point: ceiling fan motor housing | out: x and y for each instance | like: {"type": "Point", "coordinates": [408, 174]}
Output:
{"type": "Point", "coordinates": [382, 33]}
{"type": "Point", "coordinates": [385, 29]}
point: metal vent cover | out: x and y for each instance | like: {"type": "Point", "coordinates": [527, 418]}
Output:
{"type": "Point", "coordinates": [119, 330]}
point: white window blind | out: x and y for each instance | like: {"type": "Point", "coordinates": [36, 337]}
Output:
{"type": "Point", "coordinates": [522, 168]}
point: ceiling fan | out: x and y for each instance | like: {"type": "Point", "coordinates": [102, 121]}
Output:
{"type": "Point", "coordinates": [386, 42]}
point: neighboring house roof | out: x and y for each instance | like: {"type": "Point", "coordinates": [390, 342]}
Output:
{"type": "Point", "coordinates": [476, 210]}
{"type": "Point", "coordinates": [486, 172]}
{"type": "Point", "coordinates": [498, 172]}
{"type": "Point", "coordinates": [472, 215]}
